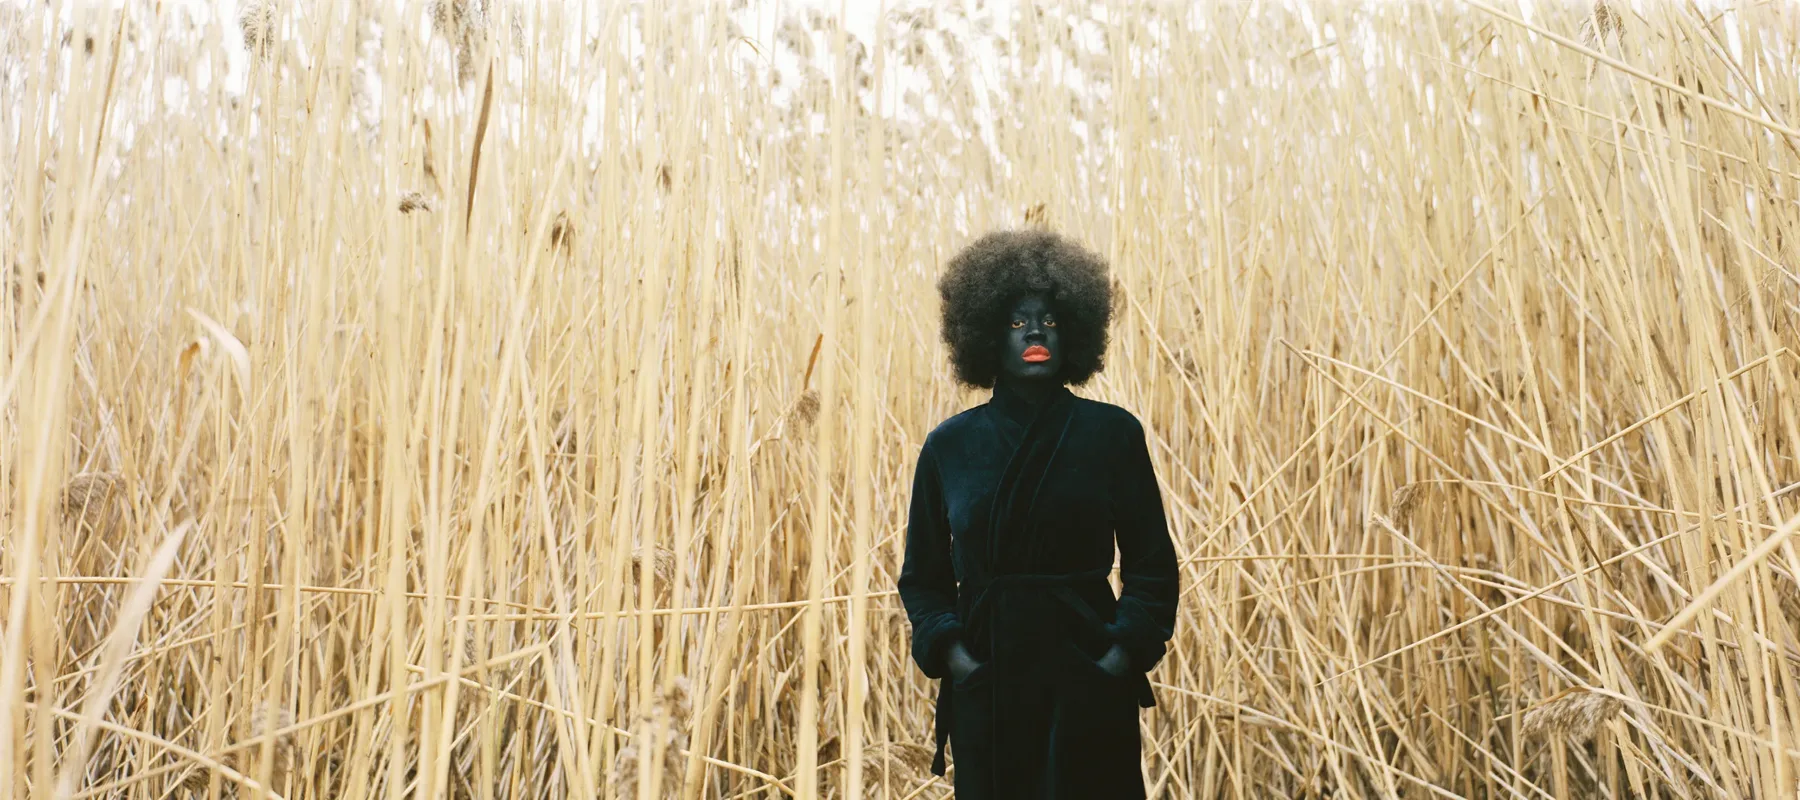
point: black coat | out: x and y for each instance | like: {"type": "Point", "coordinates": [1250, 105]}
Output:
{"type": "Point", "coordinates": [1009, 542]}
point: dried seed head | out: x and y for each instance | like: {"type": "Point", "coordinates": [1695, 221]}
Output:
{"type": "Point", "coordinates": [1185, 362]}
{"type": "Point", "coordinates": [795, 37]}
{"type": "Point", "coordinates": [1575, 713]}
{"type": "Point", "coordinates": [679, 701]}
{"type": "Point", "coordinates": [471, 649]}
{"type": "Point", "coordinates": [88, 494]}
{"type": "Point", "coordinates": [258, 22]}
{"type": "Point", "coordinates": [663, 562]}
{"type": "Point", "coordinates": [265, 719]}
{"type": "Point", "coordinates": [194, 782]}
{"type": "Point", "coordinates": [93, 506]}
{"type": "Point", "coordinates": [452, 18]}
{"type": "Point", "coordinates": [516, 27]}
{"type": "Point", "coordinates": [562, 234]}
{"type": "Point", "coordinates": [413, 201]}
{"type": "Point", "coordinates": [1406, 501]}
{"type": "Point", "coordinates": [914, 50]}
{"type": "Point", "coordinates": [625, 773]}
{"type": "Point", "coordinates": [463, 23]}
{"type": "Point", "coordinates": [894, 765]}
{"type": "Point", "coordinates": [806, 409]}
{"type": "Point", "coordinates": [1604, 20]}
{"type": "Point", "coordinates": [664, 726]}
{"type": "Point", "coordinates": [1037, 217]}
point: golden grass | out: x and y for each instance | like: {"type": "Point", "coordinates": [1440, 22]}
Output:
{"type": "Point", "coordinates": [492, 400]}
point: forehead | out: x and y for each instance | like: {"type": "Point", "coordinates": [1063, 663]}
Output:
{"type": "Point", "coordinates": [1032, 303]}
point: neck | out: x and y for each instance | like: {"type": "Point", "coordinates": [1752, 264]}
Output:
{"type": "Point", "coordinates": [1034, 392]}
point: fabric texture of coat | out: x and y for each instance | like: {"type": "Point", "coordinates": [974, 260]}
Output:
{"type": "Point", "coordinates": [1009, 545]}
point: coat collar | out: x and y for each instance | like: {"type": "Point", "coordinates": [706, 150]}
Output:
{"type": "Point", "coordinates": [1013, 405]}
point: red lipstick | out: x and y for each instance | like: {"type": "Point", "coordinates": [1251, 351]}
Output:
{"type": "Point", "coordinates": [1036, 353]}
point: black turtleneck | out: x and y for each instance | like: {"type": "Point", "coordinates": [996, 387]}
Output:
{"type": "Point", "coordinates": [1030, 395]}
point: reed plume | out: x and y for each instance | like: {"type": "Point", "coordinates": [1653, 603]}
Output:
{"type": "Point", "coordinates": [1574, 713]}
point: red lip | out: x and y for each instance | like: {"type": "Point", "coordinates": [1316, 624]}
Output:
{"type": "Point", "coordinates": [1036, 353]}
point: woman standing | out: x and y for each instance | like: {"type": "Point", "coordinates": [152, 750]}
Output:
{"type": "Point", "coordinates": [1016, 506]}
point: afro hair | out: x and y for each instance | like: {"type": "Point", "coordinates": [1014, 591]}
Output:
{"type": "Point", "coordinates": [984, 282]}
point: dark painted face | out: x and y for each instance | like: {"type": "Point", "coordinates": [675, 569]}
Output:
{"type": "Point", "coordinates": [1033, 350]}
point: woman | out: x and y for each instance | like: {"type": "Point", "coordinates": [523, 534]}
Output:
{"type": "Point", "coordinates": [1016, 506]}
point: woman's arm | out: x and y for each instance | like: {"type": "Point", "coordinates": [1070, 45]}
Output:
{"type": "Point", "coordinates": [927, 578]}
{"type": "Point", "coordinates": [1145, 619]}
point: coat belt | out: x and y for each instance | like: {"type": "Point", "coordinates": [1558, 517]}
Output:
{"type": "Point", "coordinates": [1060, 585]}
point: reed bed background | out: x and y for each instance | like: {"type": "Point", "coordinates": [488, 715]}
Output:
{"type": "Point", "coordinates": [480, 400]}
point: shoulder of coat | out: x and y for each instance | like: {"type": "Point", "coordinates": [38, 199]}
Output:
{"type": "Point", "coordinates": [950, 426]}
{"type": "Point", "coordinates": [1112, 415]}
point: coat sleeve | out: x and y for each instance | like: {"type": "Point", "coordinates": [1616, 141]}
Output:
{"type": "Point", "coordinates": [1145, 618]}
{"type": "Point", "coordinates": [927, 578]}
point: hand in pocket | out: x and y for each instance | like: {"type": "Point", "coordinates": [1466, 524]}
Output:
{"type": "Point", "coordinates": [1116, 663]}
{"type": "Point", "coordinates": [962, 665]}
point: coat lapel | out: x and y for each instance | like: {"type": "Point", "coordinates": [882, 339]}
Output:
{"type": "Point", "coordinates": [1015, 495]}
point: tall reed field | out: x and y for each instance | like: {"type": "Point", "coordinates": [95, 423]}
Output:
{"type": "Point", "coordinates": [482, 400]}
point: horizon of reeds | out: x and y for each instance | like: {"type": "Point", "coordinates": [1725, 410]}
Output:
{"type": "Point", "coordinates": [484, 400]}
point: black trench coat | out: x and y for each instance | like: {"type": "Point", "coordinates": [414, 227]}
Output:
{"type": "Point", "coordinates": [1009, 543]}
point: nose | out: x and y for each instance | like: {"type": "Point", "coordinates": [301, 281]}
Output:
{"type": "Point", "coordinates": [1034, 332]}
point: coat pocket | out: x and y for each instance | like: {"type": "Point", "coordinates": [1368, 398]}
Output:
{"type": "Point", "coordinates": [1096, 746]}
{"type": "Point", "coordinates": [976, 678]}
{"type": "Point", "coordinates": [1085, 670]}
{"type": "Point", "coordinates": [1133, 685]}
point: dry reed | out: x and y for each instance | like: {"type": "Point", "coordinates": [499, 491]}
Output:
{"type": "Point", "coordinates": [484, 500]}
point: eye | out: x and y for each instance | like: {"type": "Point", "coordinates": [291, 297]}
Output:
{"type": "Point", "coordinates": [1018, 323]}
{"type": "Point", "coordinates": [1049, 322]}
